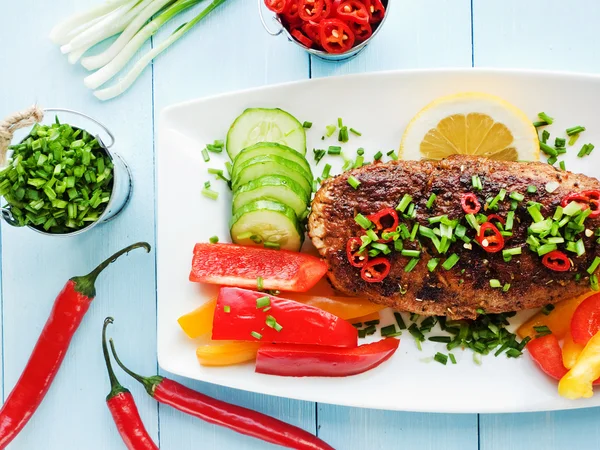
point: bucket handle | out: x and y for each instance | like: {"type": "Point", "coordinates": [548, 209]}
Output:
{"type": "Point", "coordinates": [264, 23]}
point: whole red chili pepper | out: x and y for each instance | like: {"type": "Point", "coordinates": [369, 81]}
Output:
{"type": "Point", "coordinates": [236, 418]}
{"type": "Point", "coordinates": [122, 407]}
{"type": "Point", "coordinates": [67, 313]}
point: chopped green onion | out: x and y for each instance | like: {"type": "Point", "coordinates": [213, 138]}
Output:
{"type": "Point", "coordinates": [542, 330]}
{"type": "Point", "coordinates": [494, 283]}
{"type": "Point", "coordinates": [546, 310]}
{"type": "Point", "coordinates": [441, 358]}
{"type": "Point", "coordinates": [594, 282]}
{"type": "Point", "coordinates": [583, 151]}
{"type": "Point", "coordinates": [326, 171]}
{"type": "Point", "coordinates": [360, 151]}
{"type": "Point", "coordinates": [334, 150]}
{"type": "Point", "coordinates": [399, 320]}
{"type": "Point", "coordinates": [340, 122]}
{"type": "Point", "coordinates": [353, 131]}
{"type": "Point", "coordinates": [411, 253]}
{"type": "Point", "coordinates": [411, 264]}
{"type": "Point", "coordinates": [256, 335]}
{"type": "Point", "coordinates": [572, 209]}
{"type": "Point", "coordinates": [560, 142]}
{"type": "Point", "coordinates": [545, 249]}
{"type": "Point", "coordinates": [378, 156]}
{"type": "Point", "coordinates": [388, 330]}
{"type": "Point", "coordinates": [535, 214]}
{"type": "Point", "coordinates": [406, 199]}
{"type": "Point", "coordinates": [442, 339]}
{"type": "Point", "coordinates": [392, 155]}
{"type": "Point", "coordinates": [430, 201]}
{"type": "Point", "coordinates": [263, 302]}
{"type": "Point", "coordinates": [476, 183]}
{"type": "Point", "coordinates": [209, 193]}
{"type": "Point", "coordinates": [381, 247]}
{"type": "Point", "coordinates": [359, 161]}
{"type": "Point", "coordinates": [531, 189]}
{"type": "Point", "coordinates": [413, 233]}
{"type": "Point", "coordinates": [510, 219]}
{"type": "Point", "coordinates": [259, 283]}
{"type": "Point", "coordinates": [546, 118]}
{"type": "Point", "coordinates": [227, 309]}
{"type": "Point", "coordinates": [548, 150]}
{"type": "Point", "coordinates": [575, 130]}
{"type": "Point", "coordinates": [272, 245]}
{"type": "Point", "coordinates": [307, 124]}
{"type": "Point", "coordinates": [213, 239]}
{"type": "Point", "coordinates": [517, 196]}
{"type": "Point", "coordinates": [506, 287]}
{"type": "Point", "coordinates": [330, 129]}
{"type": "Point", "coordinates": [362, 221]}
{"type": "Point", "coordinates": [472, 220]}
{"type": "Point", "coordinates": [416, 333]}
{"type": "Point", "coordinates": [318, 154]}
{"type": "Point", "coordinates": [545, 136]}
{"type": "Point", "coordinates": [452, 358]}
{"type": "Point", "coordinates": [353, 181]}
{"type": "Point", "coordinates": [594, 265]}
{"type": "Point", "coordinates": [205, 155]}
{"type": "Point", "coordinates": [511, 251]}
{"type": "Point", "coordinates": [573, 139]}
{"type": "Point", "coordinates": [343, 134]}
{"type": "Point", "coordinates": [451, 261]}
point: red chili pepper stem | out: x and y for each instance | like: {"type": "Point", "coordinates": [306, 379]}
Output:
{"type": "Point", "coordinates": [149, 383]}
{"type": "Point", "coordinates": [115, 387]}
{"type": "Point", "coordinates": [86, 284]}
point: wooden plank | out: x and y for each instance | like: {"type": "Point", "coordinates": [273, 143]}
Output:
{"type": "Point", "coordinates": [554, 35]}
{"type": "Point", "coordinates": [220, 60]}
{"type": "Point", "coordinates": [35, 267]}
{"type": "Point", "coordinates": [417, 34]}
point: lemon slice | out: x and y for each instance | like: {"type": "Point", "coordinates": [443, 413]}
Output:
{"type": "Point", "coordinates": [470, 123]}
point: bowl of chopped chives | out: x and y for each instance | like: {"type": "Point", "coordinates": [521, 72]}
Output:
{"type": "Point", "coordinates": [60, 180]}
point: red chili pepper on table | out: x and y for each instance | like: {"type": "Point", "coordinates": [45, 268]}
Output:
{"type": "Point", "coordinates": [356, 257]}
{"type": "Point", "coordinates": [469, 203]}
{"type": "Point", "coordinates": [122, 407]}
{"type": "Point", "coordinates": [375, 270]}
{"type": "Point", "coordinates": [316, 361]}
{"type": "Point", "coordinates": [489, 238]}
{"type": "Point", "coordinates": [336, 36]}
{"type": "Point", "coordinates": [67, 313]}
{"type": "Point", "coordinates": [236, 418]}
{"type": "Point", "coordinates": [557, 261]}
{"type": "Point", "coordinates": [240, 316]}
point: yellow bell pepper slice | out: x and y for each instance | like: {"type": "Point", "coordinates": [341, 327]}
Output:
{"type": "Point", "coordinates": [198, 322]}
{"type": "Point", "coordinates": [570, 351]}
{"type": "Point", "coordinates": [578, 382]}
{"type": "Point", "coordinates": [559, 320]}
{"type": "Point", "coordinates": [225, 353]}
{"type": "Point", "coordinates": [365, 318]}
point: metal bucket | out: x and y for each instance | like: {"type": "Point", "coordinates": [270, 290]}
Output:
{"type": "Point", "coordinates": [329, 57]}
{"type": "Point", "coordinates": [122, 186]}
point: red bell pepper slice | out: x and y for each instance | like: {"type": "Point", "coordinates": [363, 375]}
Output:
{"type": "Point", "coordinates": [241, 316]}
{"type": "Point", "coordinates": [489, 238]}
{"type": "Point", "coordinates": [301, 37]}
{"type": "Point", "coordinates": [277, 6]}
{"type": "Point", "coordinates": [469, 203]}
{"type": "Point", "coordinates": [336, 36]}
{"type": "Point", "coordinates": [314, 361]}
{"type": "Point", "coordinates": [353, 11]}
{"type": "Point", "coordinates": [236, 265]}
{"type": "Point", "coordinates": [356, 257]}
{"type": "Point", "coordinates": [585, 322]}
{"type": "Point", "coordinates": [557, 261]}
{"type": "Point", "coordinates": [362, 31]}
{"type": "Point", "coordinates": [375, 270]}
{"type": "Point", "coordinates": [547, 354]}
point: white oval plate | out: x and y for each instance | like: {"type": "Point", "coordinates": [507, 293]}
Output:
{"type": "Point", "coordinates": [379, 105]}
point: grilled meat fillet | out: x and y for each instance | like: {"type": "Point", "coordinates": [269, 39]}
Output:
{"type": "Point", "coordinates": [458, 292]}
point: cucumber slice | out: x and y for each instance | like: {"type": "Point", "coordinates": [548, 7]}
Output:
{"type": "Point", "coordinates": [270, 165]}
{"type": "Point", "coordinates": [266, 221]}
{"type": "Point", "coordinates": [271, 148]}
{"type": "Point", "coordinates": [265, 125]}
{"type": "Point", "coordinates": [272, 187]}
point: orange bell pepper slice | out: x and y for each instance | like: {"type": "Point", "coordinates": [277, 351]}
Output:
{"type": "Point", "coordinates": [198, 322]}
{"type": "Point", "coordinates": [365, 318]}
{"type": "Point", "coordinates": [346, 308]}
{"type": "Point", "coordinates": [570, 351]}
{"type": "Point", "coordinates": [578, 382]}
{"type": "Point", "coordinates": [559, 320]}
{"type": "Point", "coordinates": [226, 353]}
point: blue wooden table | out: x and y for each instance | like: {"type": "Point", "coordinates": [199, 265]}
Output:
{"type": "Point", "coordinates": [231, 51]}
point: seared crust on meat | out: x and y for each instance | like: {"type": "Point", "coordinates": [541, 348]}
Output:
{"type": "Point", "coordinates": [458, 292]}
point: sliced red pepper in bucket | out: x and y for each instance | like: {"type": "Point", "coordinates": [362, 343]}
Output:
{"type": "Point", "coordinates": [356, 257]}
{"type": "Point", "coordinates": [375, 270]}
{"type": "Point", "coordinates": [376, 10]}
{"type": "Point", "coordinates": [236, 265]}
{"type": "Point", "coordinates": [336, 36]}
{"type": "Point", "coordinates": [489, 238]}
{"type": "Point", "coordinates": [470, 204]}
{"type": "Point", "coordinates": [312, 31]}
{"type": "Point", "coordinates": [585, 322]}
{"type": "Point", "coordinates": [557, 261]}
{"type": "Point", "coordinates": [243, 315]}
{"type": "Point", "coordinates": [317, 361]}
{"type": "Point", "coordinates": [353, 11]}
{"type": "Point", "coordinates": [277, 6]}
{"type": "Point", "coordinates": [301, 37]}
{"type": "Point", "coordinates": [362, 31]}
{"type": "Point", "coordinates": [313, 10]}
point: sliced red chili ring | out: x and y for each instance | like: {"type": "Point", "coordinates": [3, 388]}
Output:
{"type": "Point", "coordinates": [277, 6]}
{"type": "Point", "coordinates": [356, 257]}
{"type": "Point", "coordinates": [375, 9]}
{"type": "Point", "coordinates": [593, 195]}
{"type": "Point", "coordinates": [386, 220]}
{"type": "Point", "coordinates": [312, 31]}
{"type": "Point", "coordinates": [587, 199]}
{"type": "Point", "coordinates": [496, 217]}
{"type": "Point", "coordinates": [301, 37]}
{"type": "Point", "coordinates": [313, 10]}
{"type": "Point", "coordinates": [353, 11]}
{"type": "Point", "coordinates": [290, 16]}
{"type": "Point", "coordinates": [575, 197]}
{"type": "Point", "coordinates": [489, 238]}
{"type": "Point", "coordinates": [469, 203]}
{"type": "Point", "coordinates": [336, 36]}
{"type": "Point", "coordinates": [594, 202]}
{"type": "Point", "coordinates": [375, 270]}
{"type": "Point", "coordinates": [557, 261]}
{"type": "Point", "coordinates": [362, 31]}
